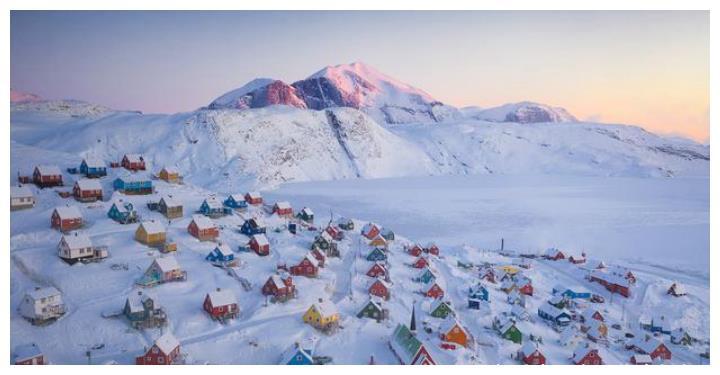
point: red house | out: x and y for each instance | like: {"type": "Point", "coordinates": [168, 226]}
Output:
{"type": "Point", "coordinates": [654, 348]}
{"type": "Point", "coordinates": [319, 256]}
{"type": "Point", "coordinates": [586, 355]}
{"type": "Point", "coordinates": [415, 250]}
{"type": "Point", "coordinates": [279, 286]}
{"type": "Point", "coordinates": [283, 209]}
{"type": "Point", "coordinates": [433, 290]}
{"type": "Point", "coordinates": [253, 198]}
{"type": "Point", "coordinates": [525, 287]}
{"type": "Point", "coordinates": [421, 262]}
{"type": "Point", "coordinates": [28, 354]}
{"type": "Point", "coordinates": [165, 351]}
{"type": "Point", "coordinates": [221, 304]}
{"type": "Point", "coordinates": [432, 249]}
{"type": "Point", "coordinates": [87, 190]}
{"type": "Point", "coordinates": [66, 218]}
{"type": "Point", "coordinates": [488, 274]}
{"type": "Point", "coordinates": [379, 289]}
{"type": "Point", "coordinates": [202, 228]}
{"type": "Point", "coordinates": [259, 244]}
{"type": "Point", "coordinates": [613, 283]}
{"type": "Point", "coordinates": [47, 176]}
{"type": "Point", "coordinates": [371, 230]}
{"type": "Point", "coordinates": [529, 354]}
{"type": "Point", "coordinates": [133, 162]}
{"type": "Point", "coordinates": [574, 259]}
{"type": "Point", "coordinates": [377, 270]}
{"type": "Point", "coordinates": [334, 232]}
{"type": "Point", "coordinates": [308, 267]}
{"type": "Point", "coordinates": [554, 254]}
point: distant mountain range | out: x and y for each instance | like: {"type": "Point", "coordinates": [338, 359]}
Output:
{"type": "Point", "coordinates": [339, 123]}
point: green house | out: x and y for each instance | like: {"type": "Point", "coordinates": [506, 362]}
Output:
{"type": "Point", "coordinates": [425, 276]}
{"type": "Point", "coordinates": [441, 309]}
{"type": "Point", "coordinates": [373, 309]}
{"type": "Point", "coordinates": [510, 332]}
{"type": "Point", "coordinates": [306, 215]}
{"type": "Point", "coordinates": [376, 255]}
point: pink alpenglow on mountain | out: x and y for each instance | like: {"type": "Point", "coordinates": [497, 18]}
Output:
{"type": "Point", "coordinates": [23, 97]}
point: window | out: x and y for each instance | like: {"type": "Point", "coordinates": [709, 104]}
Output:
{"type": "Point", "coordinates": [161, 360]}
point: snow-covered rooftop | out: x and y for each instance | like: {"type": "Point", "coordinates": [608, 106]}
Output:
{"type": "Point", "coordinates": [203, 222]}
{"type": "Point", "coordinates": [94, 163]}
{"type": "Point", "coordinates": [167, 343]}
{"type": "Point", "coordinates": [170, 201]}
{"type": "Point", "coordinates": [260, 239]}
{"type": "Point", "coordinates": [49, 170]}
{"type": "Point", "coordinates": [68, 212]}
{"type": "Point", "coordinates": [88, 184]}
{"type": "Point", "coordinates": [167, 264]}
{"type": "Point", "coordinates": [134, 158]}
{"type": "Point", "coordinates": [77, 240]}
{"type": "Point", "coordinates": [222, 297]}
{"type": "Point", "coordinates": [283, 205]}
{"type": "Point", "coordinates": [20, 192]}
{"type": "Point", "coordinates": [40, 293]}
{"type": "Point", "coordinates": [326, 308]}
{"type": "Point", "coordinates": [26, 351]}
{"type": "Point", "coordinates": [152, 227]}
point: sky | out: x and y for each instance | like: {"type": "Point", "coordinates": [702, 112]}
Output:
{"type": "Point", "coordinates": [647, 68]}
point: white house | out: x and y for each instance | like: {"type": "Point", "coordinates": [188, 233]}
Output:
{"type": "Point", "coordinates": [42, 304]}
{"type": "Point", "coordinates": [21, 197]}
{"type": "Point", "coordinates": [75, 246]}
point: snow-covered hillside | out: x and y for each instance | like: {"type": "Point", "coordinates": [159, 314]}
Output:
{"type": "Point", "coordinates": [23, 97]}
{"type": "Point", "coordinates": [228, 148]}
{"type": "Point", "coordinates": [523, 113]}
{"type": "Point", "coordinates": [355, 85]}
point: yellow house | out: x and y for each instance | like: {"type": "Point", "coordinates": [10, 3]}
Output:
{"type": "Point", "coordinates": [322, 315]}
{"type": "Point", "coordinates": [150, 233]}
{"type": "Point", "coordinates": [510, 269]}
{"type": "Point", "coordinates": [379, 241]}
{"type": "Point", "coordinates": [170, 174]}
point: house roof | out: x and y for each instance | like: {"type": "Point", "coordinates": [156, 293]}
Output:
{"type": "Point", "coordinates": [429, 286]}
{"type": "Point", "coordinates": [167, 264]}
{"type": "Point", "coordinates": [404, 343]}
{"type": "Point", "coordinates": [551, 252]}
{"type": "Point", "coordinates": [612, 278]}
{"type": "Point", "coordinates": [278, 280]}
{"type": "Point", "coordinates": [308, 211]}
{"type": "Point", "coordinates": [152, 227]}
{"type": "Point", "coordinates": [529, 348]}
{"type": "Point", "coordinates": [203, 222]}
{"type": "Point", "coordinates": [589, 312]}
{"type": "Point", "coordinates": [170, 201]}
{"type": "Point", "coordinates": [222, 297]}
{"type": "Point", "coordinates": [39, 293]}
{"type": "Point", "coordinates": [449, 323]}
{"type": "Point", "coordinates": [311, 258]}
{"type": "Point", "coordinates": [283, 205]}
{"type": "Point", "coordinates": [94, 163]}
{"type": "Point", "coordinates": [326, 308]}
{"type": "Point", "coordinates": [171, 170]}
{"type": "Point", "coordinates": [254, 194]}
{"type": "Point", "coordinates": [88, 184]}
{"type": "Point", "coordinates": [136, 300]}
{"type": "Point", "coordinates": [68, 212]}
{"type": "Point", "coordinates": [213, 202]}
{"type": "Point", "coordinates": [306, 348]}
{"type": "Point", "coordinates": [648, 346]}
{"type": "Point", "coordinates": [129, 178]}
{"type": "Point", "coordinates": [20, 192]}
{"type": "Point", "coordinates": [583, 350]}
{"type": "Point", "coordinates": [552, 310]}
{"type": "Point", "coordinates": [26, 351]}
{"type": "Point", "coordinates": [224, 249]}
{"type": "Point", "coordinates": [642, 358]}
{"type": "Point", "coordinates": [260, 239]}
{"type": "Point", "coordinates": [259, 222]}
{"type": "Point", "coordinates": [237, 197]}
{"type": "Point", "coordinates": [77, 240]}
{"type": "Point", "coordinates": [518, 311]}
{"type": "Point", "coordinates": [134, 158]}
{"type": "Point", "coordinates": [167, 343]}
{"type": "Point", "coordinates": [120, 205]}
{"type": "Point", "coordinates": [47, 170]}
{"type": "Point", "coordinates": [367, 227]}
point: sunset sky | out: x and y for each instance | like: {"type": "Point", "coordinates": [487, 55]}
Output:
{"type": "Point", "coordinates": [646, 68]}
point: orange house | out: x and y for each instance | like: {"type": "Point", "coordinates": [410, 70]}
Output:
{"type": "Point", "coordinates": [451, 331]}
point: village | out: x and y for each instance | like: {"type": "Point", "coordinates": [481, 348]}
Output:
{"type": "Point", "coordinates": [159, 267]}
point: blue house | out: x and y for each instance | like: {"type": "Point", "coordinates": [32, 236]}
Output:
{"type": "Point", "coordinates": [553, 314]}
{"type": "Point", "coordinates": [93, 168]}
{"type": "Point", "coordinates": [376, 255]}
{"type": "Point", "coordinates": [571, 293]}
{"type": "Point", "coordinates": [252, 226]}
{"type": "Point", "coordinates": [425, 276]}
{"type": "Point", "coordinates": [299, 354]}
{"type": "Point", "coordinates": [236, 201]}
{"type": "Point", "coordinates": [213, 208]}
{"type": "Point", "coordinates": [476, 296]}
{"type": "Point", "coordinates": [123, 212]}
{"type": "Point", "coordinates": [133, 185]}
{"type": "Point", "coordinates": [221, 255]}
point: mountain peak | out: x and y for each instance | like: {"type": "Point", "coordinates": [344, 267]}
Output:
{"type": "Point", "coordinates": [17, 96]}
{"type": "Point", "coordinates": [525, 112]}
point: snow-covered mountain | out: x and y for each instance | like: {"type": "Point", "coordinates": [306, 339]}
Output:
{"type": "Point", "coordinates": [522, 113]}
{"type": "Point", "coordinates": [22, 97]}
{"type": "Point", "coordinates": [355, 85]}
{"type": "Point", "coordinates": [229, 149]}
